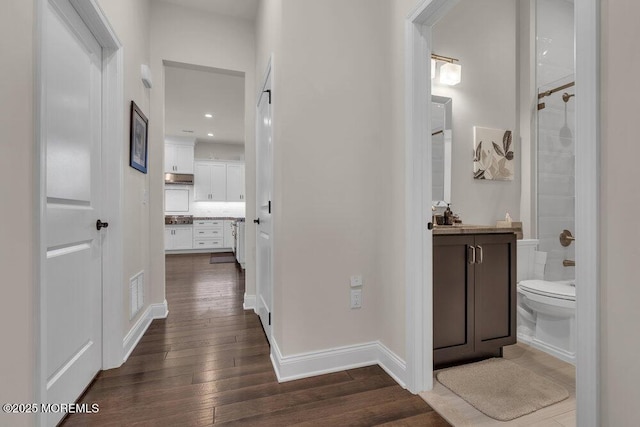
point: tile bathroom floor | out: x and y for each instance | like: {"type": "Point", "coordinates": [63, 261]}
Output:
{"type": "Point", "coordinates": [459, 413]}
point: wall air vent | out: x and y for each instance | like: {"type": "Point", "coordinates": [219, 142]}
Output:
{"type": "Point", "coordinates": [136, 288]}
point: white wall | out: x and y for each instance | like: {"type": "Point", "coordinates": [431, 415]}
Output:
{"type": "Point", "coordinates": [17, 151]}
{"type": "Point", "coordinates": [212, 151]}
{"type": "Point", "coordinates": [482, 35]}
{"type": "Point", "coordinates": [619, 213]}
{"type": "Point", "coordinates": [130, 20]}
{"type": "Point", "coordinates": [332, 189]}
{"type": "Point", "coordinates": [189, 36]}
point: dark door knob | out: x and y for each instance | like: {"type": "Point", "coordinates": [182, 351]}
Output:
{"type": "Point", "coordinates": [100, 225]}
{"type": "Point", "coordinates": [256, 221]}
{"type": "Point", "coordinates": [429, 226]}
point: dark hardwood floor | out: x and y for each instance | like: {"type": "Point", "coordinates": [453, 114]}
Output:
{"type": "Point", "coordinates": [208, 363]}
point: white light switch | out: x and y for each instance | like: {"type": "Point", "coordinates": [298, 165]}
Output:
{"type": "Point", "coordinates": [356, 281]}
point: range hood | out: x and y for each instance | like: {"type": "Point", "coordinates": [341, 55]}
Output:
{"type": "Point", "coordinates": [178, 179]}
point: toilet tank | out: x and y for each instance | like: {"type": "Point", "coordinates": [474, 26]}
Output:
{"type": "Point", "coordinates": [526, 259]}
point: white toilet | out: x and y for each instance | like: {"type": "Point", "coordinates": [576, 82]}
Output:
{"type": "Point", "coordinates": [546, 310]}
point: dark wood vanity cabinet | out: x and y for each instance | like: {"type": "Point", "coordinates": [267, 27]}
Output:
{"type": "Point", "coordinates": [474, 296]}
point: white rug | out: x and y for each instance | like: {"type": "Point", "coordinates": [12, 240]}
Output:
{"type": "Point", "coordinates": [501, 389]}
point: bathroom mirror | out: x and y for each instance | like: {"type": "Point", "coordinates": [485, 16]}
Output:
{"type": "Point", "coordinates": [441, 139]}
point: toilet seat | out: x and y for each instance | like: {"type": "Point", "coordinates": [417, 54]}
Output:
{"type": "Point", "coordinates": [558, 290]}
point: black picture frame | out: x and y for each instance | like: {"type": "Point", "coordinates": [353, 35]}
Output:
{"type": "Point", "coordinates": [139, 137]}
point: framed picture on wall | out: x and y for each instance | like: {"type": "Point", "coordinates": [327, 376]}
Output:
{"type": "Point", "coordinates": [139, 138]}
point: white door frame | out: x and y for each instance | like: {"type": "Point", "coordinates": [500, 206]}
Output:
{"type": "Point", "coordinates": [268, 75]}
{"type": "Point", "coordinates": [112, 184]}
{"type": "Point", "coordinates": [419, 286]}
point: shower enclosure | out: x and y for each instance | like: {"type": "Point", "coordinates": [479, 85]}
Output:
{"type": "Point", "coordinates": [555, 136]}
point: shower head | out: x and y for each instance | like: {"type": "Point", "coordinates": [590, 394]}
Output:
{"type": "Point", "coordinates": [566, 97]}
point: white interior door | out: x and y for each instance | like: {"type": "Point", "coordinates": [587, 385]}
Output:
{"type": "Point", "coordinates": [71, 328]}
{"type": "Point", "coordinates": [264, 189]}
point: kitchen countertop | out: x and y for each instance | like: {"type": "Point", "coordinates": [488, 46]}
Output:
{"type": "Point", "coordinates": [472, 229]}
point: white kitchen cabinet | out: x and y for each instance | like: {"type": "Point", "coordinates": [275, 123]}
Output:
{"type": "Point", "coordinates": [208, 234]}
{"type": "Point", "coordinates": [235, 182]}
{"type": "Point", "coordinates": [178, 157]}
{"type": "Point", "coordinates": [210, 182]}
{"type": "Point", "coordinates": [219, 182]}
{"type": "Point", "coordinates": [178, 237]}
{"type": "Point", "coordinates": [228, 234]}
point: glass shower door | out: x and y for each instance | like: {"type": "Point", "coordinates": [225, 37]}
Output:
{"type": "Point", "coordinates": [556, 177]}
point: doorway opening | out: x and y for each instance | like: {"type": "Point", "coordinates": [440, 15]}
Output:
{"type": "Point", "coordinates": [419, 148]}
{"type": "Point", "coordinates": [204, 140]}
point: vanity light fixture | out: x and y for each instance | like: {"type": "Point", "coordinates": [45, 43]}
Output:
{"type": "Point", "coordinates": [208, 115]}
{"type": "Point", "coordinates": [450, 72]}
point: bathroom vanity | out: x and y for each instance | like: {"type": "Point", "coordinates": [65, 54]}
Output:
{"type": "Point", "coordinates": [474, 293]}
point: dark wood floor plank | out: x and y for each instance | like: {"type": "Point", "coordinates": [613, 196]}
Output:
{"type": "Point", "coordinates": [141, 377]}
{"type": "Point", "coordinates": [209, 364]}
{"type": "Point", "coordinates": [319, 409]}
{"type": "Point", "coordinates": [432, 419]}
{"type": "Point", "coordinates": [236, 371]}
{"type": "Point", "coordinates": [373, 414]}
{"type": "Point", "coordinates": [197, 361]}
{"type": "Point", "coordinates": [281, 401]}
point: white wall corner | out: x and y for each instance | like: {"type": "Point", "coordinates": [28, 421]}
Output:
{"type": "Point", "coordinates": [304, 365]}
{"type": "Point", "coordinates": [153, 311]}
{"type": "Point", "coordinates": [249, 302]}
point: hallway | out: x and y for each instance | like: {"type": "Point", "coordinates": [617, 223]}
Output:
{"type": "Point", "coordinates": [208, 362]}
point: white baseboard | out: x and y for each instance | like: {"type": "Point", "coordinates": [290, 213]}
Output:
{"type": "Point", "coordinates": [154, 311]}
{"type": "Point", "coordinates": [249, 302]}
{"type": "Point", "coordinates": [554, 351]}
{"type": "Point", "coordinates": [306, 365]}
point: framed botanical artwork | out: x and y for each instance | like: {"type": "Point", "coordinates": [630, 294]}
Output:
{"type": "Point", "coordinates": [139, 139]}
{"type": "Point", "coordinates": [493, 154]}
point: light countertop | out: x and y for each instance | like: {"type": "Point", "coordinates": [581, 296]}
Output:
{"type": "Point", "coordinates": [472, 229]}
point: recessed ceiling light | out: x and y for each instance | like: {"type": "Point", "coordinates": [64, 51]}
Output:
{"type": "Point", "coordinates": [210, 134]}
{"type": "Point", "coordinates": [208, 115]}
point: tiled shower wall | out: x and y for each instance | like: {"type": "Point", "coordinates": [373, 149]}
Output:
{"type": "Point", "coordinates": [556, 159]}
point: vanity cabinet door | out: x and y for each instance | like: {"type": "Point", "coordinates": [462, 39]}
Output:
{"type": "Point", "coordinates": [453, 297]}
{"type": "Point", "coordinates": [495, 291]}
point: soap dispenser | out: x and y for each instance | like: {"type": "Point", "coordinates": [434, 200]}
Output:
{"type": "Point", "coordinates": [448, 215]}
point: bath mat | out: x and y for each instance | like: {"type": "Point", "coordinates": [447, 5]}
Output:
{"type": "Point", "coordinates": [222, 258]}
{"type": "Point", "coordinates": [501, 389]}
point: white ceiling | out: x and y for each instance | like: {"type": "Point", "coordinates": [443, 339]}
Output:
{"type": "Point", "coordinates": [191, 92]}
{"type": "Point", "coordinates": [244, 9]}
